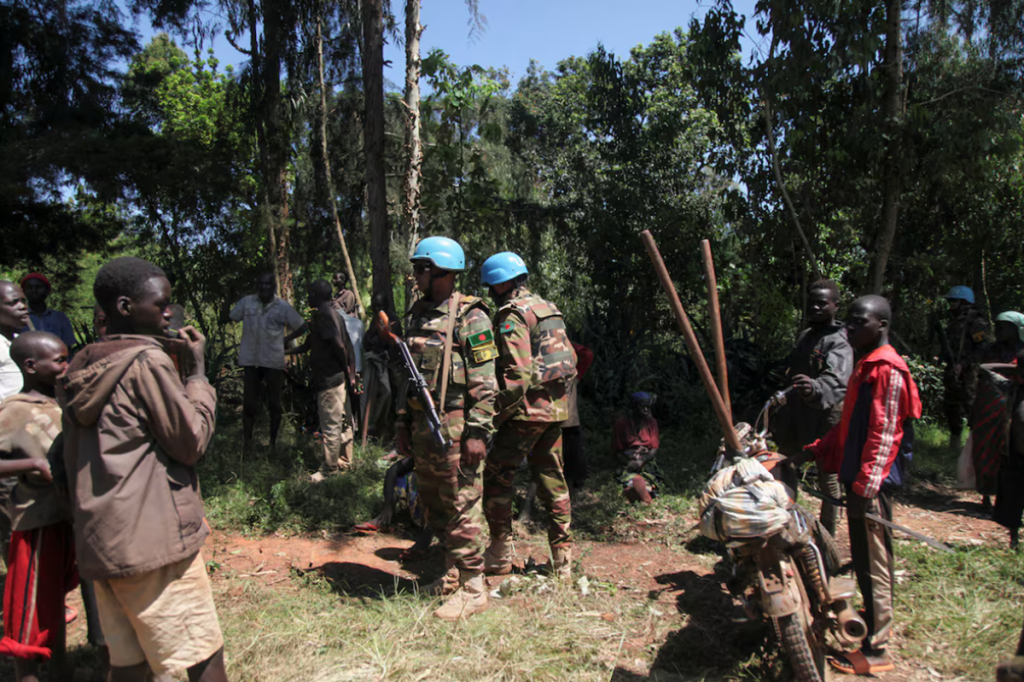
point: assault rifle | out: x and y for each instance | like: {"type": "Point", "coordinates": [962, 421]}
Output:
{"type": "Point", "coordinates": [419, 384]}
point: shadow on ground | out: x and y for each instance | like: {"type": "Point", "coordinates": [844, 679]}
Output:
{"type": "Point", "coordinates": [357, 580]}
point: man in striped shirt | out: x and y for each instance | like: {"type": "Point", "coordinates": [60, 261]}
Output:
{"type": "Point", "coordinates": [869, 449]}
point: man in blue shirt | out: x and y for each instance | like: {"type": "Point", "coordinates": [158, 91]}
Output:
{"type": "Point", "coordinates": [37, 290]}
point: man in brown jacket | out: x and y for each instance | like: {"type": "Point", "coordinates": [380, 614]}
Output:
{"type": "Point", "coordinates": [133, 431]}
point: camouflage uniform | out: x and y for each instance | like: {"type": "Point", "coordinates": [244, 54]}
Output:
{"type": "Point", "coordinates": [451, 495]}
{"type": "Point", "coordinates": [965, 335]}
{"type": "Point", "coordinates": [535, 363]}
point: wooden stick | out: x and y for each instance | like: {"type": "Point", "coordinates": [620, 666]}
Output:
{"type": "Point", "coordinates": [366, 417]}
{"type": "Point", "coordinates": [731, 440]}
{"type": "Point", "coordinates": [716, 326]}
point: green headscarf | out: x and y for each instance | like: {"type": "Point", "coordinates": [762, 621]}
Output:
{"type": "Point", "coordinates": [1014, 318]}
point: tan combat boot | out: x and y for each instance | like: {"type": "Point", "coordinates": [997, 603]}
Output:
{"type": "Point", "coordinates": [469, 599]}
{"type": "Point", "coordinates": [445, 585]}
{"type": "Point", "coordinates": [561, 562]}
{"type": "Point", "coordinates": [498, 557]}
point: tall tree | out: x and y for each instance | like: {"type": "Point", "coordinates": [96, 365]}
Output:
{"type": "Point", "coordinates": [373, 148]}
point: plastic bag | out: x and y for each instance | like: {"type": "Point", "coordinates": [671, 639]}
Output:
{"type": "Point", "coordinates": [965, 476]}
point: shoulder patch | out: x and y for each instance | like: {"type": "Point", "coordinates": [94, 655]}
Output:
{"type": "Point", "coordinates": [507, 327]}
{"type": "Point", "coordinates": [481, 338]}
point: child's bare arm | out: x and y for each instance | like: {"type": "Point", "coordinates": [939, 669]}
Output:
{"type": "Point", "coordinates": [13, 467]}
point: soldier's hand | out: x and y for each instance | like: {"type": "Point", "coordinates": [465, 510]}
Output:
{"type": "Point", "coordinates": [803, 385]}
{"type": "Point", "coordinates": [473, 451]}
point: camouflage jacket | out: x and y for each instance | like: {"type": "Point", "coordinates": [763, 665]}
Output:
{"type": "Point", "coordinates": [472, 385]}
{"type": "Point", "coordinates": [965, 333]}
{"type": "Point", "coordinates": [535, 360]}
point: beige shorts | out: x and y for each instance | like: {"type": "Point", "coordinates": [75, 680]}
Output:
{"type": "Point", "coordinates": [164, 617]}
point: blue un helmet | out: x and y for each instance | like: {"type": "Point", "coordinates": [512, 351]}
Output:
{"type": "Point", "coordinates": [441, 252]}
{"type": "Point", "coordinates": [961, 293]}
{"type": "Point", "coordinates": [502, 267]}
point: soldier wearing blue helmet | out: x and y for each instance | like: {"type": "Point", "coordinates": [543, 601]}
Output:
{"type": "Point", "coordinates": [463, 386]}
{"type": "Point", "coordinates": [535, 363]}
{"type": "Point", "coordinates": [962, 348]}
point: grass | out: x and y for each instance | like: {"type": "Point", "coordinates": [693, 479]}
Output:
{"type": "Point", "coordinates": [958, 613]}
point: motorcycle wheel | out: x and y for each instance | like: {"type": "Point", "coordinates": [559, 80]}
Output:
{"type": "Point", "coordinates": [801, 656]}
{"type": "Point", "coordinates": [804, 643]}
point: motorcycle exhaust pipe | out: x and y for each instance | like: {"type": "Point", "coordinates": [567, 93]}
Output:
{"type": "Point", "coordinates": [852, 627]}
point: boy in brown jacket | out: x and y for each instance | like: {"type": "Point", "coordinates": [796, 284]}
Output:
{"type": "Point", "coordinates": [133, 432]}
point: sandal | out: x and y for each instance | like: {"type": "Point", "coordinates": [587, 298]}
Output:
{"type": "Point", "coordinates": [856, 663]}
{"type": "Point", "coordinates": [366, 527]}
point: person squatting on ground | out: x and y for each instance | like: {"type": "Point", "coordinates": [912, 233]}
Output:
{"type": "Point", "coordinates": [573, 454]}
{"type": "Point", "coordinates": [869, 449]}
{"type": "Point", "coordinates": [451, 482]}
{"type": "Point", "coordinates": [332, 366]}
{"type": "Point", "coordinates": [133, 432]}
{"type": "Point", "coordinates": [535, 362]}
{"type": "Point", "coordinates": [41, 564]}
{"type": "Point", "coordinates": [44, 319]}
{"type": "Point", "coordinates": [264, 317]}
{"type": "Point", "coordinates": [819, 369]}
{"type": "Point", "coordinates": [635, 442]}
{"type": "Point", "coordinates": [963, 343]}
{"type": "Point", "coordinates": [400, 487]}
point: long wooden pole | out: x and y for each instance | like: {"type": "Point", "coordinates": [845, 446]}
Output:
{"type": "Point", "coordinates": [716, 325]}
{"type": "Point", "coordinates": [731, 440]}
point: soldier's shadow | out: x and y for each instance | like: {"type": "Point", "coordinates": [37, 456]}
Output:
{"type": "Point", "coordinates": [709, 645]}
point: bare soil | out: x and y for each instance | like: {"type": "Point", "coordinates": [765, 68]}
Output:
{"type": "Point", "coordinates": [680, 579]}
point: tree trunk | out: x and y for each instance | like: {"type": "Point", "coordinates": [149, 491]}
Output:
{"type": "Point", "coordinates": [325, 161]}
{"type": "Point", "coordinates": [373, 146]}
{"type": "Point", "coordinates": [893, 68]}
{"type": "Point", "coordinates": [276, 139]}
{"type": "Point", "coordinates": [413, 145]}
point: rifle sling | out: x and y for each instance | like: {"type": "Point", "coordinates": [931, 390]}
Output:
{"type": "Point", "coordinates": [446, 363]}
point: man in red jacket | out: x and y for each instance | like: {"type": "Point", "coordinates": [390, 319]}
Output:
{"type": "Point", "coordinates": [869, 449]}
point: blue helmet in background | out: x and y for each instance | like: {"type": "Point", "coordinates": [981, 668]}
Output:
{"type": "Point", "coordinates": [962, 293]}
{"type": "Point", "coordinates": [502, 267]}
{"type": "Point", "coordinates": [442, 252]}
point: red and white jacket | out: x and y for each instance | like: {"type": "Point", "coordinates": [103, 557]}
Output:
{"type": "Point", "coordinates": [862, 448]}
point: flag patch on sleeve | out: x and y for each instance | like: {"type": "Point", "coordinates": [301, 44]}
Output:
{"type": "Point", "coordinates": [507, 326]}
{"type": "Point", "coordinates": [482, 345]}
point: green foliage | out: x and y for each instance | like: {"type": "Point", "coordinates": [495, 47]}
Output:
{"type": "Point", "coordinates": [928, 377]}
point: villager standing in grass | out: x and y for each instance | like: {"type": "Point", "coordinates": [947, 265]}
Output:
{"type": "Point", "coordinates": [962, 348]}
{"type": "Point", "coordinates": [819, 369]}
{"type": "Point", "coordinates": [535, 363]}
{"type": "Point", "coordinates": [333, 368]}
{"type": "Point", "coordinates": [42, 561]}
{"type": "Point", "coordinates": [869, 449]}
{"type": "Point", "coordinates": [134, 428]}
{"type": "Point", "coordinates": [264, 317]}
{"type": "Point", "coordinates": [13, 317]}
{"type": "Point", "coordinates": [451, 341]}
{"type": "Point", "coordinates": [45, 319]}
{"type": "Point", "coordinates": [990, 419]}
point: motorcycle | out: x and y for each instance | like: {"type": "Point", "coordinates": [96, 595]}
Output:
{"type": "Point", "coordinates": [788, 576]}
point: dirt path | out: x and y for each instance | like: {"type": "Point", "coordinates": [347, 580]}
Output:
{"type": "Point", "coordinates": [681, 577]}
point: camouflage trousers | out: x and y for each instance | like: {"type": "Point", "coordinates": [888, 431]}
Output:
{"type": "Point", "coordinates": [541, 444]}
{"type": "Point", "coordinates": [452, 495]}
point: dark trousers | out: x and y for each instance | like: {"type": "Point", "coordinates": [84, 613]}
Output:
{"type": "Point", "coordinates": [871, 550]}
{"type": "Point", "coordinates": [256, 378]}
{"type": "Point", "coordinates": [575, 461]}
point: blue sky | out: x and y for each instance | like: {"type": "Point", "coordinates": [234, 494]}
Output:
{"type": "Point", "coordinates": [519, 30]}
